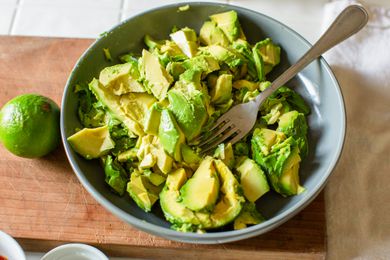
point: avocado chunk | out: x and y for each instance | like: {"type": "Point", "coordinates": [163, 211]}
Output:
{"type": "Point", "coordinates": [189, 110]}
{"type": "Point", "coordinates": [228, 205]}
{"type": "Point", "coordinates": [157, 78]}
{"type": "Point", "coordinates": [147, 162]}
{"type": "Point", "coordinates": [142, 191]}
{"type": "Point", "coordinates": [279, 158]}
{"type": "Point", "coordinates": [152, 120]}
{"type": "Point", "coordinates": [112, 103]}
{"type": "Point", "coordinates": [152, 43]}
{"type": "Point", "coordinates": [201, 191]}
{"type": "Point", "coordinates": [274, 112]}
{"type": "Point", "coordinates": [225, 153]}
{"type": "Point", "coordinates": [204, 63]}
{"type": "Point", "coordinates": [128, 156]}
{"type": "Point", "coordinates": [223, 55]}
{"type": "Point", "coordinates": [175, 68]}
{"type": "Point", "coordinates": [294, 124]}
{"type": "Point", "coordinates": [122, 78]}
{"type": "Point", "coordinates": [222, 92]}
{"type": "Point", "coordinates": [210, 34]}
{"type": "Point", "coordinates": [189, 156]}
{"type": "Point", "coordinates": [136, 106]}
{"type": "Point", "coordinates": [259, 63]}
{"type": "Point", "coordinates": [116, 176]}
{"type": "Point", "coordinates": [186, 40]}
{"type": "Point", "coordinates": [176, 179]}
{"type": "Point", "coordinates": [283, 100]}
{"type": "Point", "coordinates": [249, 85]}
{"type": "Point", "coordinates": [164, 161]}
{"type": "Point", "coordinates": [171, 136]}
{"type": "Point", "coordinates": [154, 178]}
{"type": "Point", "coordinates": [170, 51]}
{"type": "Point", "coordinates": [230, 201]}
{"type": "Point", "coordinates": [151, 145]}
{"type": "Point", "coordinates": [244, 49]}
{"type": "Point", "coordinates": [174, 211]}
{"type": "Point", "coordinates": [92, 142]}
{"type": "Point", "coordinates": [253, 180]}
{"type": "Point", "coordinates": [248, 216]}
{"type": "Point", "coordinates": [270, 54]}
{"type": "Point", "coordinates": [229, 24]}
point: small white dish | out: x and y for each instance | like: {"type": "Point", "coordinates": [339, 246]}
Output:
{"type": "Point", "coordinates": [9, 248]}
{"type": "Point", "coordinates": [75, 251]}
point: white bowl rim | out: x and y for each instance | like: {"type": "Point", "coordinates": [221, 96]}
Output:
{"type": "Point", "coordinates": [12, 244]}
{"type": "Point", "coordinates": [71, 248]}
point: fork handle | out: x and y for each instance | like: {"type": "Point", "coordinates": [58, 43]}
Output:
{"type": "Point", "coordinates": [350, 21]}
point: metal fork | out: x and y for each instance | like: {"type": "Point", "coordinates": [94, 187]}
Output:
{"type": "Point", "coordinates": [240, 119]}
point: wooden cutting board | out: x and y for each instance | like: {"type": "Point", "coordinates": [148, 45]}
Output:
{"type": "Point", "coordinates": [42, 203]}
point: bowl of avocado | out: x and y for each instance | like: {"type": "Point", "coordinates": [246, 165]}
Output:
{"type": "Point", "coordinates": [140, 97]}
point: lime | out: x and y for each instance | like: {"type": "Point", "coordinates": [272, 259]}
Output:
{"type": "Point", "coordinates": [29, 125]}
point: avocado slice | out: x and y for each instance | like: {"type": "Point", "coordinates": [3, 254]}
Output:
{"type": "Point", "coordinates": [112, 103]}
{"type": "Point", "coordinates": [189, 110]}
{"type": "Point", "coordinates": [92, 142]}
{"type": "Point", "coordinates": [289, 180]}
{"type": "Point", "coordinates": [279, 158]}
{"type": "Point", "coordinates": [170, 134]}
{"type": "Point", "coordinates": [229, 24]}
{"type": "Point", "coordinates": [253, 180]}
{"type": "Point", "coordinates": [248, 216]}
{"type": "Point", "coordinates": [259, 63]}
{"type": "Point", "coordinates": [294, 124]}
{"type": "Point", "coordinates": [201, 191]}
{"type": "Point", "coordinates": [174, 211]}
{"type": "Point", "coordinates": [210, 34]}
{"type": "Point", "coordinates": [157, 78]}
{"type": "Point", "coordinates": [122, 78]}
{"type": "Point", "coordinates": [142, 191]}
{"type": "Point", "coordinates": [186, 40]}
{"type": "Point", "coordinates": [225, 153]}
{"type": "Point", "coordinates": [222, 92]}
{"type": "Point", "coordinates": [230, 203]}
{"type": "Point", "coordinates": [227, 208]}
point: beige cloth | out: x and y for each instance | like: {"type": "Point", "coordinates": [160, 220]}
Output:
{"type": "Point", "coordinates": [358, 193]}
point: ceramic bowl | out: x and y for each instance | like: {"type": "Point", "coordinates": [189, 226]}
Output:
{"type": "Point", "coordinates": [316, 84]}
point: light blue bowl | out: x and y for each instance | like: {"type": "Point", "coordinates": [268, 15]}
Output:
{"type": "Point", "coordinates": [316, 84]}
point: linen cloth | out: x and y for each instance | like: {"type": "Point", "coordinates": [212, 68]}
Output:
{"type": "Point", "coordinates": [358, 192]}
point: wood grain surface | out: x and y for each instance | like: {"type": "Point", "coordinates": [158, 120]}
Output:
{"type": "Point", "coordinates": [42, 203]}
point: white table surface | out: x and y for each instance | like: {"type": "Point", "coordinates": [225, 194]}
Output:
{"type": "Point", "coordinates": [88, 18]}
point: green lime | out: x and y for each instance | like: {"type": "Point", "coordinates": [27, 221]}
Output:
{"type": "Point", "coordinates": [30, 125]}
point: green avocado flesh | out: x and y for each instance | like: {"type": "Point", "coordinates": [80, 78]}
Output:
{"type": "Point", "coordinates": [144, 119]}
